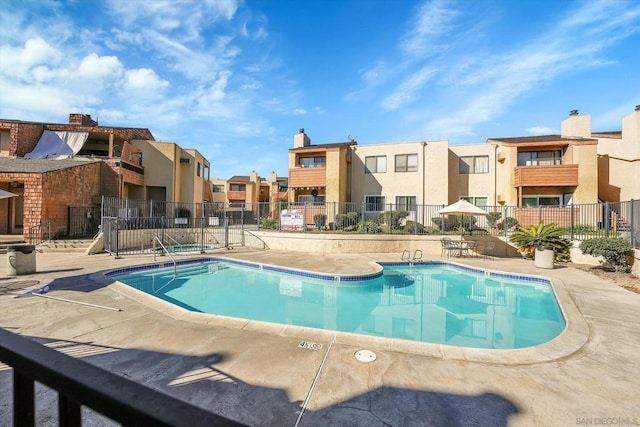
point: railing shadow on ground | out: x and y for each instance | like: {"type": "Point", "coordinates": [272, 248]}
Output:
{"type": "Point", "coordinates": [197, 380]}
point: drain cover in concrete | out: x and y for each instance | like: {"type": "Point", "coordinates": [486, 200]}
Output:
{"type": "Point", "coordinates": [310, 345]}
{"type": "Point", "coordinates": [365, 356]}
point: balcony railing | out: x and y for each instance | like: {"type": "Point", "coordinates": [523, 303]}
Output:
{"type": "Point", "coordinates": [79, 383]}
{"type": "Point", "coordinates": [237, 195]}
{"type": "Point", "coordinates": [307, 177]}
{"type": "Point", "coordinates": [546, 176]}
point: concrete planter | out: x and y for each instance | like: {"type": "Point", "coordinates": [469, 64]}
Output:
{"type": "Point", "coordinates": [544, 257]}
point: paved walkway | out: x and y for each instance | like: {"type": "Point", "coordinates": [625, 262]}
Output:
{"type": "Point", "coordinates": [259, 375]}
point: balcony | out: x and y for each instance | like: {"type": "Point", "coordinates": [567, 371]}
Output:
{"type": "Point", "coordinates": [546, 176]}
{"type": "Point", "coordinates": [307, 177]}
{"type": "Point", "coordinates": [237, 195]}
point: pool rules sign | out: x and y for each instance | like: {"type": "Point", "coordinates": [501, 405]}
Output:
{"type": "Point", "coordinates": [292, 220]}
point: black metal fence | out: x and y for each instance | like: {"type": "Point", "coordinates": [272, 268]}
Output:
{"type": "Point", "coordinates": [179, 234]}
{"type": "Point", "coordinates": [81, 384]}
{"type": "Point", "coordinates": [83, 221]}
{"type": "Point", "coordinates": [584, 221]}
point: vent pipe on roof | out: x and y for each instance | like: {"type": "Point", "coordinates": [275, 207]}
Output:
{"type": "Point", "coordinates": [573, 112]}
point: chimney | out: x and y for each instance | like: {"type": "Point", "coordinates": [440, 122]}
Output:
{"type": "Point", "coordinates": [301, 140]}
{"type": "Point", "coordinates": [576, 125]}
{"type": "Point", "coordinates": [82, 120]}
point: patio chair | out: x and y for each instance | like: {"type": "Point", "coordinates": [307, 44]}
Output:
{"type": "Point", "coordinates": [448, 245]}
{"type": "Point", "coordinates": [488, 249]}
{"type": "Point", "coordinates": [472, 248]}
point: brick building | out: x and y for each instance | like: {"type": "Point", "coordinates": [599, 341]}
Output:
{"type": "Point", "coordinates": [103, 162]}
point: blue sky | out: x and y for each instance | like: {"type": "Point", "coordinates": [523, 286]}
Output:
{"type": "Point", "coordinates": [237, 79]}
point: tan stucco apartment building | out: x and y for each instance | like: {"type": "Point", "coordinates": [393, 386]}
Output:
{"type": "Point", "coordinates": [573, 168]}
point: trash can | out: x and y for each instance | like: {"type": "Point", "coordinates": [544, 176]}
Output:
{"type": "Point", "coordinates": [544, 257]}
{"type": "Point", "coordinates": [21, 259]}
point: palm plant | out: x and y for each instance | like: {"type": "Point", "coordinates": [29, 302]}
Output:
{"type": "Point", "coordinates": [548, 236]}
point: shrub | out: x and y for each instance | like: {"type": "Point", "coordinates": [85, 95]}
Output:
{"type": "Point", "coordinates": [493, 218]}
{"type": "Point", "coordinates": [394, 218]}
{"type": "Point", "coordinates": [269, 223]}
{"type": "Point", "coordinates": [341, 221]}
{"type": "Point", "coordinates": [414, 227]}
{"type": "Point", "coordinates": [614, 251]}
{"type": "Point", "coordinates": [546, 235]}
{"type": "Point", "coordinates": [445, 223]}
{"type": "Point", "coordinates": [369, 227]}
{"type": "Point", "coordinates": [347, 222]}
{"type": "Point", "coordinates": [320, 220]}
{"type": "Point", "coordinates": [510, 222]}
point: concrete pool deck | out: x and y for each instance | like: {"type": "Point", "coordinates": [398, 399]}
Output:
{"type": "Point", "coordinates": [258, 374]}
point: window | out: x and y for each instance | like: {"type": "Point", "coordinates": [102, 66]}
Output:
{"type": "Point", "coordinates": [313, 162]}
{"type": "Point", "coordinates": [477, 201]}
{"type": "Point", "coordinates": [4, 140]}
{"type": "Point", "coordinates": [375, 164]}
{"type": "Point", "coordinates": [540, 158]}
{"type": "Point", "coordinates": [474, 164]}
{"type": "Point", "coordinates": [237, 187]}
{"type": "Point", "coordinates": [530, 201]}
{"type": "Point", "coordinates": [406, 203]}
{"type": "Point", "coordinates": [218, 188]}
{"type": "Point", "coordinates": [374, 203]}
{"type": "Point", "coordinates": [309, 199]}
{"type": "Point", "coordinates": [199, 169]}
{"type": "Point", "coordinates": [406, 162]}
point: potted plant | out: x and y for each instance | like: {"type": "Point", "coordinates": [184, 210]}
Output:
{"type": "Point", "coordinates": [543, 242]}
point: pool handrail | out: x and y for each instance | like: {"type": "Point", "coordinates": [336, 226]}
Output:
{"type": "Point", "coordinates": [174, 241]}
{"type": "Point", "coordinates": [175, 266]}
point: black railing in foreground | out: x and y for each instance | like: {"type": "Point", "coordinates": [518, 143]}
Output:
{"type": "Point", "coordinates": [79, 383]}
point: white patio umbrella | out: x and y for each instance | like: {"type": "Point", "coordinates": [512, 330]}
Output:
{"type": "Point", "coordinates": [462, 208]}
{"type": "Point", "coordinates": [6, 194]}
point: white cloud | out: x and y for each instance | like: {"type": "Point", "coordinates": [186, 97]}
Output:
{"type": "Point", "coordinates": [94, 67]}
{"type": "Point", "coordinates": [144, 79]}
{"type": "Point", "coordinates": [19, 61]}
{"type": "Point", "coordinates": [182, 20]}
{"type": "Point", "coordinates": [408, 89]}
{"type": "Point", "coordinates": [299, 111]}
{"type": "Point", "coordinates": [434, 19]}
{"type": "Point", "coordinates": [499, 80]}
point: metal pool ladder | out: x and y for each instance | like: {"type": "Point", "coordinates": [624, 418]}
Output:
{"type": "Point", "coordinates": [175, 266]}
{"type": "Point", "coordinates": [408, 254]}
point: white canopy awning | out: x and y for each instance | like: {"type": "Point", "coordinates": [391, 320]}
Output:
{"type": "Point", "coordinates": [58, 145]}
{"type": "Point", "coordinates": [6, 194]}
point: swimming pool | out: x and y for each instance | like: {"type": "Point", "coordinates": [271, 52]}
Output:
{"type": "Point", "coordinates": [435, 302]}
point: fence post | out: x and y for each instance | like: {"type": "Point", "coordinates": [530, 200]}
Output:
{"type": "Point", "coordinates": [539, 214]}
{"type": "Point", "coordinates": [226, 230]}
{"type": "Point", "coordinates": [505, 215]}
{"type": "Point", "coordinates": [117, 238]}
{"type": "Point", "coordinates": [633, 237]}
{"type": "Point", "coordinates": [607, 218]}
{"type": "Point", "coordinates": [202, 233]}
{"type": "Point", "coordinates": [162, 229]}
{"type": "Point", "coordinates": [572, 222]}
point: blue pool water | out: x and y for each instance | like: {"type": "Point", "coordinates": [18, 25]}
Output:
{"type": "Point", "coordinates": [432, 302]}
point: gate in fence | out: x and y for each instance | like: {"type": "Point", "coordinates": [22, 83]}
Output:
{"type": "Point", "coordinates": [83, 221]}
